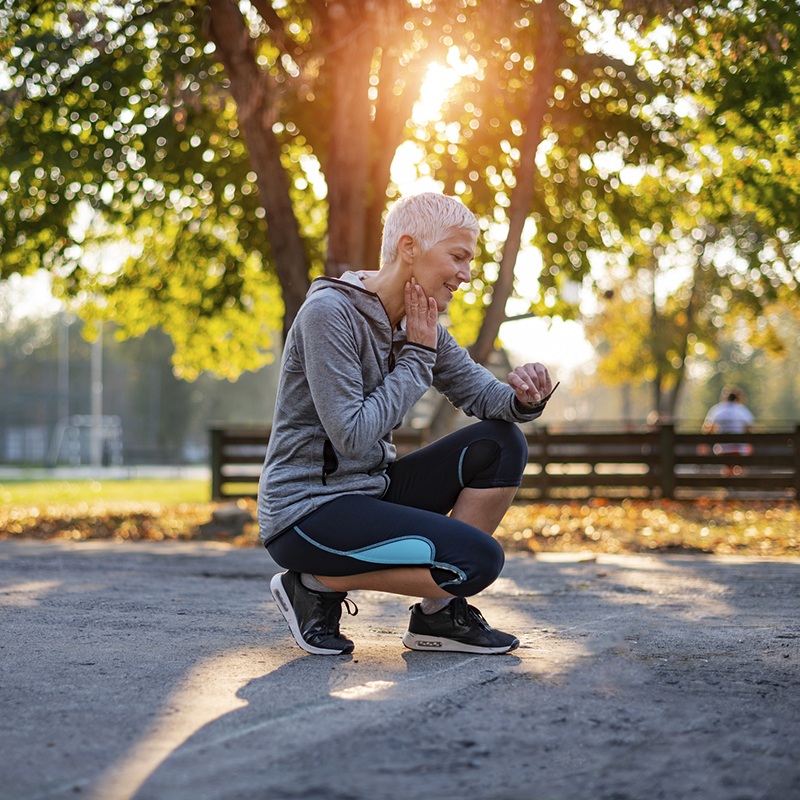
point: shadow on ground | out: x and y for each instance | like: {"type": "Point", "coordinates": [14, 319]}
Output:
{"type": "Point", "coordinates": [153, 671]}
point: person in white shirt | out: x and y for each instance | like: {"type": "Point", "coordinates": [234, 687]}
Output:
{"type": "Point", "coordinates": [730, 415]}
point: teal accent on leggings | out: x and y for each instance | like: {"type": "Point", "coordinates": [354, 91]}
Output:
{"type": "Point", "coordinates": [404, 551]}
{"type": "Point", "coordinates": [461, 467]}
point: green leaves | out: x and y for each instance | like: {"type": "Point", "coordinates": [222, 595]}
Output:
{"type": "Point", "coordinates": [119, 129]}
{"type": "Point", "coordinates": [125, 170]}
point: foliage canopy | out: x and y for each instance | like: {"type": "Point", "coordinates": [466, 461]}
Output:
{"type": "Point", "coordinates": [231, 152]}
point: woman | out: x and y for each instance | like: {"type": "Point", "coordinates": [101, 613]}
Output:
{"type": "Point", "coordinates": [335, 507]}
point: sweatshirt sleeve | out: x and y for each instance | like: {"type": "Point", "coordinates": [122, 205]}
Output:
{"type": "Point", "coordinates": [472, 388]}
{"type": "Point", "coordinates": [329, 349]}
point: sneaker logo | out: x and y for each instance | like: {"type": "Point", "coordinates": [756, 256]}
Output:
{"type": "Point", "coordinates": [429, 644]}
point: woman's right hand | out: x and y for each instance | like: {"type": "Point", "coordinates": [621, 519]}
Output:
{"type": "Point", "coordinates": [421, 316]}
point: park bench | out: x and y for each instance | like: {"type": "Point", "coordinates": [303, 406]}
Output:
{"type": "Point", "coordinates": [652, 462]}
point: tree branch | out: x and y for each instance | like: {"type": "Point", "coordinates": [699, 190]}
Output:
{"type": "Point", "coordinates": [228, 30]}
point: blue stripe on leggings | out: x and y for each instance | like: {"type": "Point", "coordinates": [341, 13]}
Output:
{"type": "Point", "coordinates": [460, 463]}
{"type": "Point", "coordinates": [403, 550]}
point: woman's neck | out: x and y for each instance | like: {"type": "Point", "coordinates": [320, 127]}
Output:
{"type": "Point", "coordinates": [389, 284]}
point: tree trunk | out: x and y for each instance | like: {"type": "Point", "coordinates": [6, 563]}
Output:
{"type": "Point", "coordinates": [657, 395]}
{"type": "Point", "coordinates": [547, 52]}
{"type": "Point", "coordinates": [657, 352]}
{"type": "Point", "coordinates": [391, 115]}
{"type": "Point", "coordinates": [347, 170]}
{"type": "Point", "coordinates": [229, 33]}
{"type": "Point", "coordinates": [672, 398]}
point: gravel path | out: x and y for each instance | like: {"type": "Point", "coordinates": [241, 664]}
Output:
{"type": "Point", "coordinates": [162, 671]}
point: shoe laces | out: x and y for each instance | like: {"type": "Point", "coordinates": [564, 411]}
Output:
{"type": "Point", "coordinates": [333, 611]}
{"type": "Point", "coordinates": [465, 613]}
{"type": "Point", "coordinates": [350, 607]}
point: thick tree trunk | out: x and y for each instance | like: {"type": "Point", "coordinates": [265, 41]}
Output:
{"type": "Point", "coordinates": [347, 171]}
{"type": "Point", "coordinates": [391, 115]}
{"type": "Point", "coordinates": [229, 33]}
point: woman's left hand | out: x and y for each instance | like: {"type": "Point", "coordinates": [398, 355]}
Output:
{"type": "Point", "coordinates": [531, 383]}
{"type": "Point", "coordinates": [422, 316]}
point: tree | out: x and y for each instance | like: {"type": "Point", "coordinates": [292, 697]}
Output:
{"type": "Point", "coordinates": [194, 131]}
{"type": "Point", "coordinates": [576, 124]}
{"type": "Point", "coordinates": [676, 290]}
{"type": "Point", "coordinates": [732, 224]}
{"type": "Point", "coordinates": [181, 125]}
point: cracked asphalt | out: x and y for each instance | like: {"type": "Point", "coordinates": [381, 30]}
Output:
{"type": "Point", "coordinates": [162, 671]}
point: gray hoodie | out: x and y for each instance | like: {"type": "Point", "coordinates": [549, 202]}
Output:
{"type": "Point", "coordinates": [347, 380]}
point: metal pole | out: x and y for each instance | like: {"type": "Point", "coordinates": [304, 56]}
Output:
{"type": "Point", "coordinates": [97, 399]}
{"type": "Point", "coordinates": [62, 405]}
{"type": "Point", "coordinates": [63, 368]}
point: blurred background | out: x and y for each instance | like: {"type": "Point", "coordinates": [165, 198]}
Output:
{"type": "Point", "coordinates": [173, 176]}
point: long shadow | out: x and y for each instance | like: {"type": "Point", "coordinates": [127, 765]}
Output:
{"type": "Point", "coordinates": [305, 707]}
{"type": "Point", "coordinates": [689, 683]}
{"type": "Point", "coordinates": [665, 682]}
{"type": "Point", "coordinates": [94, 641]}
{"type": "Point", "coordinates": [638, 678]}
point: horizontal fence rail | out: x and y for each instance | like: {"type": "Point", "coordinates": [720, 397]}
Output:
{"type": "Point", "coordinates": [652, 463]}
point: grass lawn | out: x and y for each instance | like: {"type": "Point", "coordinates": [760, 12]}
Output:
{"type": "Point", "coordinates": [179, 509]}
{"type": "Point", "coordinates": [49, 493]}
{"type": "Point", "coordinates": [122, 509]}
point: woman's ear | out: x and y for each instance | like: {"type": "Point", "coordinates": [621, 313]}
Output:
{"type": "Point", "coordinates": [407, 248]}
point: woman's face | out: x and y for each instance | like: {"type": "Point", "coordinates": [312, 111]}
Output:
{"type": "Point", "coordinates": [446, 266]}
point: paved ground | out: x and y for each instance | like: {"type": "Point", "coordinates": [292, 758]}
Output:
{"type": "Point", "coordinates": [163, 672]}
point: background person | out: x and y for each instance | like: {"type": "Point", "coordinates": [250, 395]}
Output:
{"type": "Point", "coordinates": [335, 508]}
{"type": "Point", "coordinates": [730, 415]}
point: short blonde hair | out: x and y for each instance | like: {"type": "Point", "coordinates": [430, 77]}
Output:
{"type": "Point", "coordinates": [428, 217]}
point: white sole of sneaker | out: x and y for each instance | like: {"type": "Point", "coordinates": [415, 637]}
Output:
{"type": "Point", "coordinates": [415, 641]}
{"type": "Point", "coordinates": [282, 601]}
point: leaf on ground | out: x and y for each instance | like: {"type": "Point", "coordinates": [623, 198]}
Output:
{"type": "Point", "coordinates": [600, 526]}
{"type": "Point", "coordinates": [636, 526]}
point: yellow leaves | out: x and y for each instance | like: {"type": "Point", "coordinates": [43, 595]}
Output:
{"type": "Point", "coordinates": [596, 525]}
{"type": "Point", "coordinates": [634, 526]}
{"type": "Point", "coordinates": [101, 520]}
{"type": "Point", "coordinates": [118, 520]}
{"type": "Point", "coordinates": [465, 317]}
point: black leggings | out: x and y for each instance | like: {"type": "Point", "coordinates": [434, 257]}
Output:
{"type": "Point", "coordinates": [409, 525]}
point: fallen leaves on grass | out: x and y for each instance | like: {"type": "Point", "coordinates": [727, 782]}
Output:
{"type": "Point", "coordinates": [635, 526]}
{"type": "Point", "coordinates": [120, 521]}
{"type": "Point", "coordinates": [628, 526]}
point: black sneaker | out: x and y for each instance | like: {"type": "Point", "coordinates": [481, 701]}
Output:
{"type": "Point", "coordinates": [457, 627]}
{"type": "Point", "coordinates": [313, 617]}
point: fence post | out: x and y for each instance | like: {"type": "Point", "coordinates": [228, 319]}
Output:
{"type": "Point", "coordinates": [544, 475]}
{"type": "Point", "coordinates": [216, 464]}
{"type": "Point", "coordinates": [797, 462]}
{"type": "Point", "coordinates": [667, 460]}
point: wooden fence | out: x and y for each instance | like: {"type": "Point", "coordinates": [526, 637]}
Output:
{"type": "Point", "coordinates": [657, 462]}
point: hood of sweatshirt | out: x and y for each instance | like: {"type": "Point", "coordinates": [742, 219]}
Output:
{"type": "Point", "coordinates": [368, 303]}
